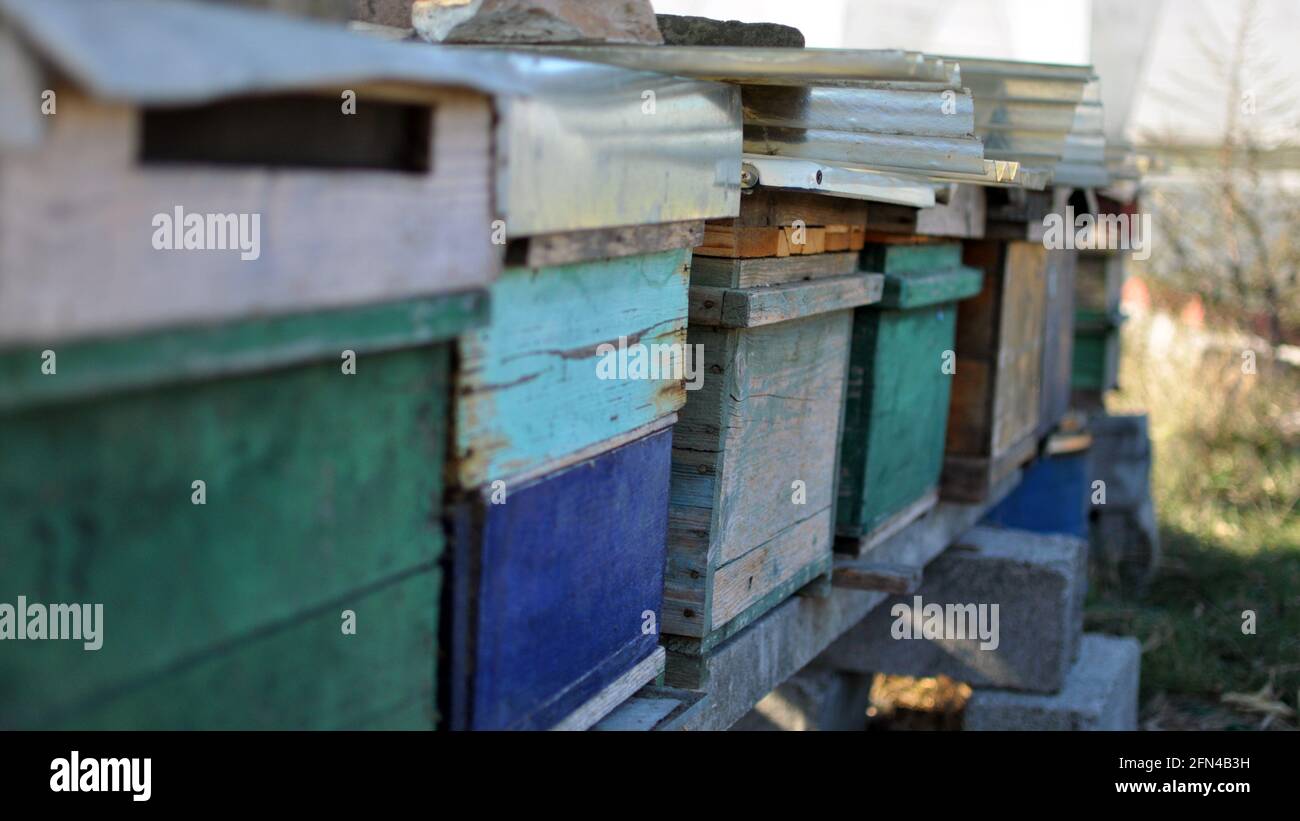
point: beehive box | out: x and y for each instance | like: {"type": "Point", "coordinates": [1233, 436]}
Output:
{"type": "Point", "coordinates": [754, 451]}
{"type": "Point", "coordinates": [1052, 497]}
{"type": "Point", "coordinates": [225, 336]}
{"type": "Point", "coordinates": [1058, 339]}
{"type": "Point", "coordinates": [558, 588]}
{"type": "Point", "coordinates": [566, 397]}
{"type": "Point", "coordinates": [1097, 322]}
{"type": "Point", "coordinates": [554, 581]}
{"type": "Point", "coordinates": [997, 388]}
{"type": "Point", "coordinates": [896, 406]}
{"type": "Point", "coordinates": [179, 195]}
{"type": "Point", "coordinates": [224, 603]}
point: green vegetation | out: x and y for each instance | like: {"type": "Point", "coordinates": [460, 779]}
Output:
{"type": "Point", "coordinates": [1226, 482]}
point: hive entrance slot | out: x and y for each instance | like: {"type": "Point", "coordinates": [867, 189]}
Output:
{"type": "Point", "coordinates": [293, 131]}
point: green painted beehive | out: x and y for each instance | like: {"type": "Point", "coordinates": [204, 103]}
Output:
{"type": "Point", "coordinates": [1097, 321]}
{"type": "Point", "coordinates": [224, 604]}
{"type": "Point", "coordinates": [1096, 351]}
{"type": "Point", "coordinates": [896, 404]}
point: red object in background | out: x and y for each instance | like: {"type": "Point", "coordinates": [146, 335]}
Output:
{"type": "Point", "coordinates": [1193, 312]}
{"type": "Point", "coordinates": [1136, 294]}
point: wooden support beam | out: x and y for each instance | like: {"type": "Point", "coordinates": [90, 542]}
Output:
{"type": "Point", "coordinates": [862, 574]}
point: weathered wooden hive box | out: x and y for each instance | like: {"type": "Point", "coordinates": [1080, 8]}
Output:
{"type": "Point", "coordinates": [996, 391]}
{"type": "Point", "coordinates": [563, 475]}
{"type": "Point", "coordinates": [755, 449]}
{"type": "Point", "coordinates": [896, 405]}
{"type": "Point", "coordinates": [1053, 494]}
{"type": "Point", "coordinates": [1058, 338]}
{"type": "Point", "coordinates": [240, 460]}
{"type": "Point", "coordinates": [566, 398]}
{"type": "Point", "coordinates": [1097, 322]}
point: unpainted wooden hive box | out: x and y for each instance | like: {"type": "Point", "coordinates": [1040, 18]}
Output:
{"type": "Point", "coordinates": [755, 449]}
{"type": "Point", "coordinates": [321, 489]}
{"type": "Point", "coordinates": [1058, 338]}
{"type": "Point", "coordinates": [896, 407]}
{"type": "Point", "coordinates": [994, 413]}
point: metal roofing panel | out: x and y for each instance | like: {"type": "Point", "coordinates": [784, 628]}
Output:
{"type": "Point", "coordinates": [865, 109]}
{"type": "Point", "coordinates": [768, 66]}
{"type": "Point", "coordinates": [576, 150]}
{"type": "Point", "coordinates": [1083, 163]}
{"type": "Point", "coordinates": [1024, 111]}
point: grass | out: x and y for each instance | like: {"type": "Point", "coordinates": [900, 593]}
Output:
{"type": "Point", "coordinates": [1226, 482]}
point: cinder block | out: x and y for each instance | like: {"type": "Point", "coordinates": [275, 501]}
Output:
{"type": "Point", "coordinates": [1037, 581]}
{"type": "Point", "coordinates": [1100, 694]}
{"type": "Point", "coordinates": [1121, 457]}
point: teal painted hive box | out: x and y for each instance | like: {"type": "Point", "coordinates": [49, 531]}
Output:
{"type": "Point", "coordinates": [224, 499]}
{"type": "Point", "coordinates": [751, 518]}
{"type": "Point", "coordinates": [896, 405]}
{"type": "Point", "coordinates": [539, 385]}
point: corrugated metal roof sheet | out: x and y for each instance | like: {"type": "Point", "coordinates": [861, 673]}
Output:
{"type": "Point", "coordinates": [1083, 164]}
{"type": "Point", "coordinates": [1024, 111]}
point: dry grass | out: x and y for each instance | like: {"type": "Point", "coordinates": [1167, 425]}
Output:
{"type": "Point", "coordinates": [1227, 488]}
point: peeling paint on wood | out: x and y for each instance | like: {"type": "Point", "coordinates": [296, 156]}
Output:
{"type": "Point", "coordinates": [528, 388]}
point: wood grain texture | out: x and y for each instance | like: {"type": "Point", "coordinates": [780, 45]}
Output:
{"type": "Point", "coordinates": [971, 479]}
{"type": "Point", "coordinates": [754, 307]}
{"type": "Point", "coordinates": [739, 584]}
{"type": "Point", "coordinates": [747, 273]}
{"type": "Point", "coordinates": [782, 421]}
{"type": "Point", "coordinates": [962, 217]}
{"type": "Point", "coordinates": [764, 206]}
{"type": "Point", "coordinates": [1017, 391]}
{"type": "Point", "coordinates": [736, 674]}
{"type": "Point", "coordinates": [77, 214]}
{"type": "Point", "coordinates": [1058, 339]}
{"type": "Point", "coordinates": [321, 489]}
{"type": "Point", "coordinates": [552, 586]}
{"type": "Point", "coordinates": [996, 390]}
{"type": "Point", "coordinates": [615, 693]}
{"type": "Point", "coordinates": [529, 391]}
{"type": "Point", "coordinates": [769, 415]}
{"type": "Point", "coordinates": [741, 242]}
{"type": "Point", "coordinates": [584, 246]}
{"type": "Point", "coordinates": [863, 574]}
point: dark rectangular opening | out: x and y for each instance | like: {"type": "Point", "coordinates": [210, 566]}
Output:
{"type": "Point", "coordinates": [292, 131]}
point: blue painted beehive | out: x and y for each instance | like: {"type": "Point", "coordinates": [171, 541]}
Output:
{"type": "Point", "coordinates": [1052, 497]}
